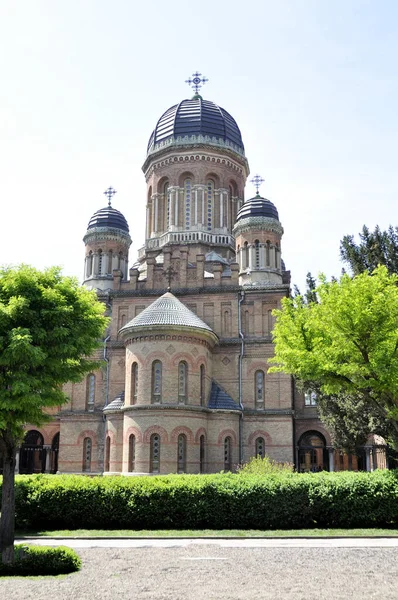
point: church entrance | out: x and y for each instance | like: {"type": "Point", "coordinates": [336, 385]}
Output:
{"type": "Point", "coordinates": [32, 455]}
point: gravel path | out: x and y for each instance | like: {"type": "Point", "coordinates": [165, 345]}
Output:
{"type": "Point", "coordinates": [198, 572]}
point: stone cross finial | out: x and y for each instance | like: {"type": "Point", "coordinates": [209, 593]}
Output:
{"type": "Point", "coordinates": [110, 192]}
{"type": "Point", "coordinates": [196, 82]}
{"type": "Point", "coordinates": [170, 273]}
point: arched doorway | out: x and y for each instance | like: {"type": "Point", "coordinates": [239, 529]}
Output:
{"type": "Point", "coordinates": [32, 455]}
{"type": "Point", "coordinates": [312, 453]}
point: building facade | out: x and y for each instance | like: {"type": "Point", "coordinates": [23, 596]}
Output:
{"type": "Point", "coordinates": [185, 385]}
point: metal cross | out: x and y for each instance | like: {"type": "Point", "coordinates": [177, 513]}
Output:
{"type": "Point", "coordinates": [110, 192]}
{"type": "Point", "coordinates": [170, 273]}
{"type": "Point", "coordinates": [257, 181]}
{"type": "Point", "coordinates": [197, 82]}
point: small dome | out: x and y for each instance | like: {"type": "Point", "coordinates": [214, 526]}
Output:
{"type": "Point", "coordinates": [167, 311]}
{"type": "Point", "coordinates": [258, 207]}
{"type": "Point", "coordinates": [116, 404]}
{"type": "Point", "coordinates": [108, 217]}
{"type": "Point", "coordinates": [197, 117]}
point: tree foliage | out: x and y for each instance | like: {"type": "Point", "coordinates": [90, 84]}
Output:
{"type": "Point", "coordinates": [375, 248]}
{"type": "Point", "coordinates": [49, 327]}
{"type": "Point", "coordinates": [346, 348]}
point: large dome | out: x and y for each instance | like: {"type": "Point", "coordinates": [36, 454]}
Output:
{"type": "Point", "coordinates": [108, 217]}
{"type": "Point", "coordinates": [197, 117]}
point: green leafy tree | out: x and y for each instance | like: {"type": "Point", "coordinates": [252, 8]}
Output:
{"type": "Point", "coordinates": [49, 326]}
{"type": "Point", "coordinates": [375, 248]}
{"type": "Point", "coordinates": [345, 347]}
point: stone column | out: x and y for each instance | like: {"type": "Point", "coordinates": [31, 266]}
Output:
{"type": "Point", "coordinates": [95, 264]}
{"type": "Point", "coordinates": [331, 459]}
{"type": "Point", "coordinates": [368, 461]}
{"type": "Point", "coordinates": [47, 450]}
{"type": "Point", "coordinates": [176, 208]}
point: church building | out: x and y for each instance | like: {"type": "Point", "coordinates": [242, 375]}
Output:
{"type": "Point", "coordinates": [184, 386]}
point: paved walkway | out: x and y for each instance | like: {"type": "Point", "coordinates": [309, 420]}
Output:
{"type": "Point", "coordinates": [371, 542]}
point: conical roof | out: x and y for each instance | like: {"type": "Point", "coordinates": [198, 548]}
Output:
{"type": "Point", "coordinates": [167, 311]}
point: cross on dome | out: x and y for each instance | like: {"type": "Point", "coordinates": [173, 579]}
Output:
{"type": "Point", "coordinates": [257, 181]}
{"type": "Point", "coordinates": [110, 192]}
{"type": "Point", "coordinates": [196, 82]}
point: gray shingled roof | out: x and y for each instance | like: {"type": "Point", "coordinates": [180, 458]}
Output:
{"type": "Point", "coordinates": [116, 404]}
{"type": "Point", "coordinates": [167, 310]}
{"type": "Point", "coordinates": [220, 399]}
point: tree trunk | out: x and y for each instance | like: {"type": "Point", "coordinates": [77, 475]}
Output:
{"type": "Point", "coordinates": [7, 521]}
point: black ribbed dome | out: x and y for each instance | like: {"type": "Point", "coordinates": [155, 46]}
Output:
{"type": "Point", "coordinates": [108, 217]}
{"type": "Point", "coordinates": [197, 117]}
{"type": "Point", "coordinates": [258, 207]}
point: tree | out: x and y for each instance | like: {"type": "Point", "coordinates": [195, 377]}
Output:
{"type": "Point", "coordinates": [375, 248]}
{"type": "Point", "coordinates": [49, 326]}
{"type": "Point", "coordinates": [346, 348]}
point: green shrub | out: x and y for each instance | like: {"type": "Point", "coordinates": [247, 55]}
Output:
{"type": "Point", "coordinates": [258, 465]}
{"type": "Point", "coordinates": [42, 560]}
{"type": "Point", "coordinates": [222, 501]}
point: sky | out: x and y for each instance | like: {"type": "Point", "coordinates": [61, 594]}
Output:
{"type": "Point", "coordinates": [312, 85]}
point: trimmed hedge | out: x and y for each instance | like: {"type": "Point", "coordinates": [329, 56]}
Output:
{"type": "Point", "coordinates": [42, 560]}
{"type": "Point", "coordinates": [222, 501]}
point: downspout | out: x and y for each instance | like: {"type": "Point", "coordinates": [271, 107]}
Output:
{"type": "Point", "coordinates": [106, 359]}
{"type": "Point", "coordinates": [241, 298]}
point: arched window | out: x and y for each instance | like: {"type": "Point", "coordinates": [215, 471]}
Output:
{"type": "Point", "coordinates": [227, 454]}
{"type": "Point", "coordinates": [312, 452]}
{"type": "Point", "coordinates": [202, 385]}
{"type": "Point", "coordinates": [267, 253]}
{"type": "Point", "coordinates": [182, 453]}
{"type": "Point", "coordinates": [32, 456]}
{"type": "Point", "coordinates": [107, 454]}
{"type": "Point", "coordinates": [260, 447]}
{"type": "Point", "coordinates": [154, 466]}
{"type": "Point", "coordinates": [245, 256]}
{"type": "Point", "coordinates": [202, 453]}
{"type": "Point", "coordinates": [89, 269]}
{"type": "Point", "coordinates": [90, 392]}
{"type": "Point", "coordinates": [210, 195]}
{"type": "Point", "coordinates": [182, 382]}
{"type": "Point", "coordinates": [166, 192]}
{"type": "Point", "coordinates": [100, 261]}
{"type": "Point", "coordinates": [188, 198]}
{"type": "Point", "coordinates": [259, 388]}
{"type": "Point", "coordinates": [310, 398]}
{"type": "Point", "coordinates": [227, 322]}
{"type": "Point", "coordinates": [134, 382]}
{"type": "Point", "coordinates": [87, 449]}
{"type": "Point", "coordinates": [131, 457]}
{"type": "Point", "coordinates": [156, 381]}
{"type": "Point", "coordinates": [257, 253]}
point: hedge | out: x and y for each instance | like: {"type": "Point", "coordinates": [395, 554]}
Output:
{"type": "Point", "coordinates": [222, 501]}
{"type": "Point", "coordinates": [42, 560]}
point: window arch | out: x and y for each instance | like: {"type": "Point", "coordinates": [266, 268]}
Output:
{"type": "Point", "coordinates": [134, 382]}
{"type": "Point", "coordinates": [110, 259]}
{"type": "Point", "coordinates": [100, 261]}
{"type": "Point", "coordinates": [202, 451]}
{"type": "Point", "coordinates": [227, 454]}
{"type": "Point", "coordinates": [90, 392]}
{"type": "Point", "coordinates": [259, 378]}
{"type": "Point", "coordinates": [87, 450]}
{"type": "Point", "coordinates": [245, 256]}
{"type": "Point", "coordinates": [131, 456]}
{"type": "Point", "coordinates": [156, 381]}
{"type": "Point", "coordinates": [182, 381]}
{"type": "Point", "coordinates": [182, 453]}
{"type": "Point", "coordinates": [202, 385]}
{"type": "Point", "coordinates": [107, 454]}
{"type": "Point", "coordinates": [154, 466]}
{"type": "Point", "coordinates": [260, 447]}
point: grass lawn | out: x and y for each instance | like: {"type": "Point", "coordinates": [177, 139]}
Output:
{"type": "Point", "coordinates": [210, 533]}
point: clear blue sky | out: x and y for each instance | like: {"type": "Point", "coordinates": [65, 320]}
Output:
{"type": "Point", "coordinates": [312, 84]}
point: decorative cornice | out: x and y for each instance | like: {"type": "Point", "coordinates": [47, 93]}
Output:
{"type": "Point", "coordinates": [106, 233]}
{"type": "Point", "coordinates": [148, 333]}
{"type": "Point", "coordinates": [265, 223]}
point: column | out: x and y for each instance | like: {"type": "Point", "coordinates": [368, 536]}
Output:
{"type": "Point", "coordinates": [115, 262]}
{"type": "Point", "coordinates": [176, 207]}
{"type": "Point", "coordinates": [368, 463]}
{"type": "Point", "coordinates": [155, 229]}
{"type": "Point", "coordinates": [47, 450]}
{"type": "Point", "coordinates": [203, 207]}
{"type": "Point", "coordinates": [221, 209]}
{"type": "Point", "coordinates": [196, 207]}
{"type": "Point", "coordinates": [95, 264]}
{"type": "Point", "coordinates": [17, 461]}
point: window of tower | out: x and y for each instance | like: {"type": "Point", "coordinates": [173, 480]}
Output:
{"type": "Point", "coordinates": [110, 258]}
{"type": "Point", "coordinates": [134, 382]}
{"type": "Point", "coordinates": [210, 195]}
{"type": "Point", "coordinates": [202, 453]}
{"type": "Point", "coordinates": [202, 385]}
{"type": "Point", "coordinates": [87, 446]}
{"type": "Point", "coordinates": [188, 194]}
{"type": "Point", "coordinates": [155, 453]}
{"type": "Point", "coordinates": [156, 381]}
{"type": "Point", "coordinates": [107, 464]}
{"type": "Point", "coordinates": [131, 457]}
{"type": "Point", "coordinates": [259, 388]}
{"type": "Point", "coordinates": [166, 192]}
{"type": "Point", "coordinates": [182, 382]}
{"type": "Point", "coordinates": [90, 394]}
{"type": "Point", "coordinates": [257, 251]}
{"type": "Point", "coordinates": [260, 447]}
{"type": "Point", "coordinates": [100, 261]}
{"type": "Point", "coordinates": [227, 454]}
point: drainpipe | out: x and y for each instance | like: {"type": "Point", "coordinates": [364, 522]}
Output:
{"type": "Point", "coordinates": [241, 298]}
{"type": "Point", "coordinates": [106, 359]}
